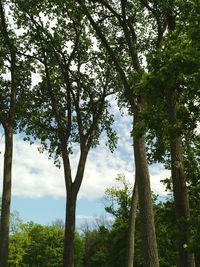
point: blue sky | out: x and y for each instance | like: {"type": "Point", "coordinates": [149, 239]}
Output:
{"type": "Point", "coordinates": [38, 186]}
{"type": "Point", "coordinates": [45, 210]}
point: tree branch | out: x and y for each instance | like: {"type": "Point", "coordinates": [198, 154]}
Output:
{"type": "Point", "coordinates": [62, 135]}
{"type": "Point", "coordinates": [12, 49]}
{"type": "Point", "coordinates": [161, 28]}
{"type": "Point", "coordinates": [132, 43]}
{"type": "Point", "coordinates": [109, 7]}
{"type": "Point", "coordinates": [128, 91]}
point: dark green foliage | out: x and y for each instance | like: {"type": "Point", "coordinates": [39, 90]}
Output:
{"type": "Point", "coordinates": [97, 247]}
{"type": "Point", "coordinates": [192, 167]}
{"type": "Point", "coordinates": [166, 232]}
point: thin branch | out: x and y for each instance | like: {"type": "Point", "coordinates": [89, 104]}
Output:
{"type": "Point", "coordinates": [12, 62]}
{"type": "Point", "coordinates": [62, 136]}
{"type": "Point", "coordinates": [68, 178]}
{"type": "Point", "coordinates": [131, 42]}
{"type": "Point", "coordinates": [57, 52]}
{"type": "Point", "coordinates": [145, 4]}
{"type": "Point", "coordinates": [31, 57]}
{"type": "Point", "coordinates": [160, 28]}
{"type": "Point", "coordinates": [64, 69]}
{"type": "Point", "coordinates": [104, 18]}
{"type": "Point", "coordinates": [98, 112]}
{"type": "Point", "coordinates": [109, 7]}
{"type": "Point", "coordinates": [3, 120]}
{"type": "Point", "coordinates": [79, 118]}
{"type": "Point", "coordinates": [128, 91]}
{"type": "Point", "coordinates": [4, 29]}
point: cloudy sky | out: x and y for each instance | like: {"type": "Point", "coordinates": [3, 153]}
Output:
{"type": "Point", "coordinates": [38, 186]}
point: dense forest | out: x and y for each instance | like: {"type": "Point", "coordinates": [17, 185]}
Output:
{"type": "Point", "coordinates": [60, 64]}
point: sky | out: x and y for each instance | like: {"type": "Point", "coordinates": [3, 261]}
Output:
{"type": "Point", "coordinates": [38, 190]}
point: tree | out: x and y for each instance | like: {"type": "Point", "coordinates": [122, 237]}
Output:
{"type": "Point", "coordinates": [124, 45]}
{"type": "Point", "coordinates": [97, 247]}
{"type": "Point", "coordinates": [68, 106]}
{"type": "Point", "coordinates": [45, 245]}
{"type": "Point", "coordinates": [173, 73]}
{"type": "Point", "coordinates": [7, 120]}
{"type": "Point", "coordinates": [12, 68]}
{"type": "Point", "coordinates": [18, 243]}
{"type": "Point", "coordinates": [119, 204]}
{"type": "Point", "coordinates": [34, 244]}
{"type": "Point", "coordinates": [178, 175]}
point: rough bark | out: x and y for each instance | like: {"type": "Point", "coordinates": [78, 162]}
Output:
{"type": "Point", "coordinates": [68, 255]}
{"type": "Point", "coordinates": [6, 197]}
{"type": "Point", "coordinates": [149, 243]}
{"type": "Point", "coordinates": [133, 213]}
{"type": "Point", "coordinates": [179, 188]}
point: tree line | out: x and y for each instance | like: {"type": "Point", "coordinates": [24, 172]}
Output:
{"type": "Point", "coordinates": [102, 243]}
{"type": "Point", "coordinates": [146, 54]}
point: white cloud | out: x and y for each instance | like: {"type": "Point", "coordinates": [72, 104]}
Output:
{"type": "Point", "coordinates": [158, 173]}
{"type": "Point", "coordinates": [34, 175]}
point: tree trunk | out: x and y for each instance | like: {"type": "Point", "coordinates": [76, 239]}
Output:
{"type": "Point", "coordinates": [133, 213]}
{"type": "Point", "coordinates": [68, 255]}
{"type": "Point", "coordinates": [6, 197]}
{"type": "Point", "coordinates": [149, 243]}
{"type": "Point", "coordinates": [179, 189]}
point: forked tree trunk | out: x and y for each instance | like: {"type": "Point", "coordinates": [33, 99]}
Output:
{"type": "Point", "coordinates": [68, 255]}
{"type": "Point", "coordinates": [133, 214]}
{"type": "Point", "coordinates": [149, 243]}
{"type": "Point", "coordinates": [72, 189]}
{"type": "Point", "coordinates": [6, 197]}
{"type": "Point", "coordinates": [181, 200]}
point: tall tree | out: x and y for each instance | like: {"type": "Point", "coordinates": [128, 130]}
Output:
{"type": "Point", "coordinates": [12, 69]}
{"type": "Point", "coordinates": [8, 90]}
{"type": "Point", "coordinates": [68, 106]}
{"type": "Point", "coordinates": [177, 167]}
{"type": "Point", "coordinates": [175, 69]}
{"type": "Point", "coordinates": [124, 44]}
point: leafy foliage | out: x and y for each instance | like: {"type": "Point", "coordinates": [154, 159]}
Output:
{"type": "Point", "coordinates": [34, 244]}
